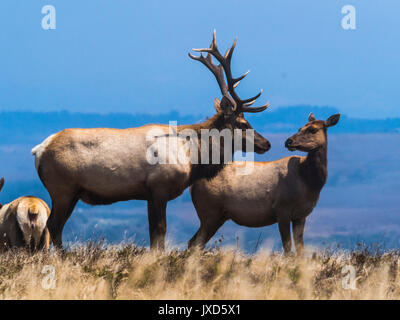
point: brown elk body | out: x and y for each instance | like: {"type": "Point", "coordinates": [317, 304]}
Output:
{"type": "Point", "coordinates": [23, 224]}
{"type": "Point", "coordinates": [283, 191]}
{"type": "Point", "coordinates": [103, 166]}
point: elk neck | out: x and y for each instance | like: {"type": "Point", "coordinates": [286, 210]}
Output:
{"type": "Point", "coordinates": [314, 169]}
{"type": "Point", "coordinates": [208, 171]}
{"type": "Point", "coordinates": [215, 122]}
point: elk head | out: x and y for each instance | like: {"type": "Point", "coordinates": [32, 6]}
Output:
{"type": "Point", "coordinates": [231, 108]}
{"type": "Point", "coordinates": [313, 135]}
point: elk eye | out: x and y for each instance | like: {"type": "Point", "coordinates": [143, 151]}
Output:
{"type": "Point", "coordinates": [313, 130]}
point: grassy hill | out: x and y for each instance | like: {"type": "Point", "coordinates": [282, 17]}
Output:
{"type": "Point", "coordinates": [99, 271]}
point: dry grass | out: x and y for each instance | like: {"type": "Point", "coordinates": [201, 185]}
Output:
{"type": "Point", "coordinates": [98, 271]}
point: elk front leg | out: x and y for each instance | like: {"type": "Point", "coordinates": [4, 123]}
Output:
{"type": "Point", "coordinates": [284, 230]}
{"type": "Point", "coordinates": [298, 231]}
{"type": "Point", "coordinates": [156, 210]}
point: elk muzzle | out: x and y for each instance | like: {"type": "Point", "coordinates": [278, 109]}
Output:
{"type": "Point", "coordinates": [261, 145]}
{"type": "Point", "coordinates": [289, 145]}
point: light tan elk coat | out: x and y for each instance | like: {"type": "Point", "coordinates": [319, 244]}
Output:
{"type": "Point", "coordinates": [283, 191]}
{"type": "Point", "coordinates": [23, 224]}
{"type": "Point", "coordinates": [102, 166]}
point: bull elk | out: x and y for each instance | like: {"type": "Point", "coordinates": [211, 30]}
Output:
{"type": "Point", "coordinates": [103, 166]}
{"type": "Point", "coordinates": [23, 224]}
{"type": "Point", "coordinates": [284, 191]}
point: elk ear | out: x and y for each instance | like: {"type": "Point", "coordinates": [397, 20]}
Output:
{"type": "Point", "coordinates": [332, 120]}
{"type": "Point", "coordinates": [217, 105]}
{"type": "Point", "coordinates": [311, 117]}
{"type": "Point", "coordinates": [1, 183]}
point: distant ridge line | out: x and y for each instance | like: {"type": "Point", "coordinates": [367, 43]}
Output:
{"type": "Point", "coordinates": [32, 127]}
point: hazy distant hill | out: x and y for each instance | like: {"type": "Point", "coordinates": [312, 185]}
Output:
{"type": "Point", "coordinates": [287, 119]}
{"type": "Point", "coordinates": [32, 127]}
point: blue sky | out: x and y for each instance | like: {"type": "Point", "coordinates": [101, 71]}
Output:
{"type": "Point", "coordinates": [131, 56]}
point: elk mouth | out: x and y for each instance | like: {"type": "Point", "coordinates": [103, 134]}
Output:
{"type": "Point", "coordinates": [289, 145]}
{"type": "Point", "coordinates": [261, 145]}
{"type": "Point", "coordinates": [261, 150]}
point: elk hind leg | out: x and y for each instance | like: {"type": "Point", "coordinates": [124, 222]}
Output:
{"type": "Point", "coordinates": [207, 230]}
{"type": "Point", "coordinates": [61, 210]}
{"type": "Point", "coordinates": [298, 231]}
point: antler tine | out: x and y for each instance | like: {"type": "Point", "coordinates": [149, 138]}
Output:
{"type": "Point", "coordinates": [203, 50]}
{"type": "Point", "coordinates": [246, 108]}
{"type": "Point", "coordinates": [194, 57]}
{"type": "Point", "coordinates": [214, 40]}
{"type": "Point", "coordinates": [252, 99]}
{"type": "Point", "coordinates": [237, 80]}
{"type": "Point", "coordinates": [213, 46]}
{"type": "Point", "coordinates": [248, 104]}
{"type": "Point", "coordinates": [229, 52]}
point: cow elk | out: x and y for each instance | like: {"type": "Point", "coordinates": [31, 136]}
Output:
{"type": "Point", "coordinates": [284, 191]}
{"type": "Point", "coordinates": [23, 224]}
{"type": "Point", "coordinates": [103, 166]}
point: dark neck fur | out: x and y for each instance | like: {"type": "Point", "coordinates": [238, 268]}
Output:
{"type": "Point", "coordinates": [314, 169]}
{"type": "Point", "coordinates": [215, 122]}
{"type": "Point", "coordinates": [208, 171]}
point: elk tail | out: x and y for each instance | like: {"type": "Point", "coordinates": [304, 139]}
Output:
{"type": "Point", "coordinates": [39, 149]}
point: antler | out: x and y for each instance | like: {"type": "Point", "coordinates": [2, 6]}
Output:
{"type": "Point", "coordinates": [218, 71]}
{"type": "Point", "coordinates": [239, 105]}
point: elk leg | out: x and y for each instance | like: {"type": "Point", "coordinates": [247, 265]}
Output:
{"type": "Point", "coordinates": [15, 239]}
{"type": "Point", "coordinates": [4, 242]}
{"type": "Point", "coordinates": [284, 230]}
{"type": "Point", "coordinates": [156, 210]}
{"type": "Point", "coordinates": [44, 243]}
{"type": "Point", "coordinates": [298, 231]}
{"type": "Point", "coordinates": [205, 233]}
{"type": "Point", "coordinates": [60, 212]}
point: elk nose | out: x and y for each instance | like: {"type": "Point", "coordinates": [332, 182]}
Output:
{"type": "Point", "coordinates": [288, 142]}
